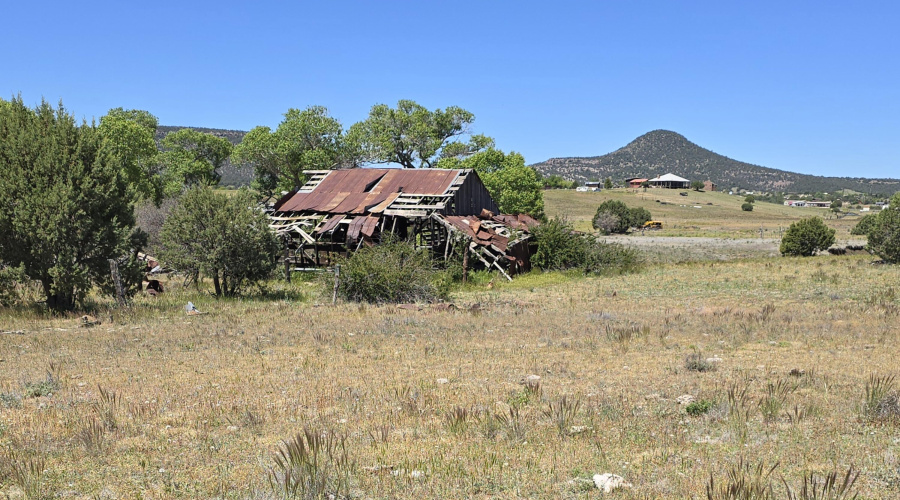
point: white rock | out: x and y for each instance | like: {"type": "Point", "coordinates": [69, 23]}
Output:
{"type": "Point", "coordinates": [531, 379]}
{"type": "Point", "coordinates": [442, 381]}
{"type": "Point", "coordinates": [610, 482]}
{"type": "Point", "coordinates": [685, 399]}
{"type": "Point", "coordinates": [714, 360]}
{"type": "Point", "coordinates": [579, 429]}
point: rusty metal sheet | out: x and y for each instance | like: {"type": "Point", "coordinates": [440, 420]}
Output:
{"type": "Point", "coordinates": [370, 226]}
{"type": "Point", "coordinates": [330, 223]}
{"type": "Point", "coordinates": [381, 207]}
{"type": "Point", "coordinates": [356, 190]}
{"type": "Point", "coordinates": [355, 228]}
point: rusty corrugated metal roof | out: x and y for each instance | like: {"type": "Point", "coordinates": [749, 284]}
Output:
{"type": "Point", "coordinates": [355, 191]}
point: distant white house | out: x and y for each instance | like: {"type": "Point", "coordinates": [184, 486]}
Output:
{"type": "Point", "coordinates": [670, 181]}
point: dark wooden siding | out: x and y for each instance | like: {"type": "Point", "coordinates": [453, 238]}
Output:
{"type": "Point", "coordinates": [472, 197]}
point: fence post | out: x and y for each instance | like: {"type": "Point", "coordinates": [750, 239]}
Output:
{"type": "Point", "coordinates": [337, 280]}
{"type": "Point", "coordinates": [117, 281]}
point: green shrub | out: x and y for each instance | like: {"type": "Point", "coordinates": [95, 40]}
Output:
{"type": "Point", "coordinates": [865, 224]}
{"type": "Point", "coordinates": [698, 408]}
{"type": "Point", "coordinates": [11, 281]}
{"type": "Point", "coordinates": [806, 237]}
{"type": "Point", "coordinates": [224, 237]}
{"type": "Point", "coordinates": [391, 272]}
{"type": "Point", "coordinates": [559, 247]}
{"type": "Point", "coordinates": [622, 217]}
{"type": "Point", "coordinates": [884, 235]}
{"type": "Point", "coordinates": [747, 207]}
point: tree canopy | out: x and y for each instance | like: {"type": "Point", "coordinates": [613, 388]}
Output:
{"type": "Point", "coordinates": [306, 139]}
{"type": "Point", "coordinates": [414, 136]}
{"type": "Point", "coordinates": [613, 216]}
{"type": "Point", "coordinates": [66, 205]}
{"type": "Point", "coordinates": [517, 188]}
{"type": "Point", "coordinates": [128, 138]}
{"type": "Point", "coordinates": [192, 157]}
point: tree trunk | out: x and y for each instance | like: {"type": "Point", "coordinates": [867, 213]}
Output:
{"type": "Point", "coordinates": [215, 277]}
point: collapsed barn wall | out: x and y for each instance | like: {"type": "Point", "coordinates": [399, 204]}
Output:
{"type": "Point", "coordinates": [444, 211]}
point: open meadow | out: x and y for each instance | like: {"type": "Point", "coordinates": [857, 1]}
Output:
{"type": "Point", "coordinates": [700, 213]}
{"type": "Point", "coordinates": [710, 357]}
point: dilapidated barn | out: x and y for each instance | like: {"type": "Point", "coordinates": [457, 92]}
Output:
{"type": "Point", "coordinates": [443, 210]}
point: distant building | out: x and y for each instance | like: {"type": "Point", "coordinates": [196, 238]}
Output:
{"type": "Point", "coordinates": [670, 181]}
{"type": "Point", "coordinates": [709, 186]}
{"type": "Point", "coordinates": [592, 185]}
{"type": "Point", "coordinates": [636, 182]}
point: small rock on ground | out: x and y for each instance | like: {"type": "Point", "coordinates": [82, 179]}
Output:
{"type": "Point", "coordinates": [610, 482]}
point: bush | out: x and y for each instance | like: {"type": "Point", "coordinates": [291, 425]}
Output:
{"type": "Point", "coordinates": [884, 235]}
{"type": "Point", "coordinates": [224, 237]}
{"type": "Point", "coordinates": [747, 207]}
{"type": "Point", "coordinates": [11, 280]}
{"type": "Point", "coordinates": [559, 247]}
{"type": "Point", "coordinates": [67, 206]}
{"type": "Point", "coordinates": [615, 217]}
{"type": "Point", "coordinates": [749, 199]}
{"type": "Point", "coordinates": [806, 237]}
{"type": "Point", "coordinates": [865, 224]}
{"type": "Point", "coordinates": [391, 272]}
{"type": "Point", "coordinates": [698, 408]}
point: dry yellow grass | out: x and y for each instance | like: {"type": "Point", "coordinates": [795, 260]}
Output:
{"type": "Point", "coordinates": [201, 403]}
{"type": "Point", "coordinates": [723, 218]}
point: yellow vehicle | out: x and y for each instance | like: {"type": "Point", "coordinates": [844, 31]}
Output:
{"type": "Point", "coordinates": [652, 224]}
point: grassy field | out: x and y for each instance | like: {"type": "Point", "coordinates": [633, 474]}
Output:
{"type": "Point", "coordinates": [153, 403]}
{"type": "Point", "coordinates": [435, 402]}
{"type": "Point", "coordinates": [719, 214]}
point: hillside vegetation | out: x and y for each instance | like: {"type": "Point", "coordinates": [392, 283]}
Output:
{"type": "Point", "coordinates": [661, 151]}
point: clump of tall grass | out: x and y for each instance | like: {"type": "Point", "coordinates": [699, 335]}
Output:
{"type": "Point", "coordinates": [831, 487]}
{"type": "Point", "coordinates": [25, 470]}
{"type": "Point", "coordinates": [312, 465]}
{"type": "Point", "coordinates": [562, 413]}
{"type": "Point", "coordinates": [743, 482]}
{"type": "Point", "coordinates": [695, 362]}
{"type": "Point", "coordinates": [771, 403]}
{"type": "Point", "coordinates": [882, 402]}
{"type": "Point", "coordinates": [756, 482]}
{"type": "Point", "coordinates": [457, 420]}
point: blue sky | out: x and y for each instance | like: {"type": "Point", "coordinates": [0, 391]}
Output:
{"type": "Point", "coordinates": [811, 87]}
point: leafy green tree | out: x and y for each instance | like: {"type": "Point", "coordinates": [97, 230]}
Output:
{"type": "Point", "coordinates": [306, 139]}
{"type": "Point", "coordinates": [836, 205]}
{"type": "Point", "coordinates": [413, 136]}
{"type": "Point", "coordinates": [884, 235]}
{"type": "Point", "coordinates": [554, 182]}
{"type": "Point", "coordinates": [747, 207]}
{"type": "Point", "coordinates": [66, 205]}
{"type": "Point", "coordinates": [515, 187]}
{"type": "Point", "coordinates": [697, 185]}
{"type": "Point", "coordinates": [223, 237]}
{"type": "Point", "coordinates": [749, 199]}
{"type": "Point", "coordinates": [613, 216]}
{"type": "Point", "coordinates": [128, 136]}
{"type": "Point", "coordinates": [607, 183]}
{"type": "Point", "coordinates": [806, 237]}
{"type": "Point", "coordinates": [192, 157]}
